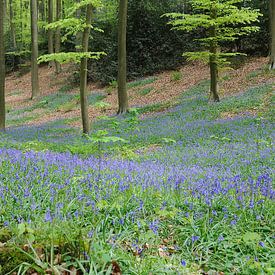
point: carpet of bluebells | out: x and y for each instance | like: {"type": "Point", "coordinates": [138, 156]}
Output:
{"type": "Point", "coordinates": [197, 196]}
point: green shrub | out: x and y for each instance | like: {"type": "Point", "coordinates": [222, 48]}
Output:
{"type": "Point", "coordinates": [176, 76]}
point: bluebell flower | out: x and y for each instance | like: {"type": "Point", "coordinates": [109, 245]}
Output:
{"type": "Point", "coordinates": [48, 216]}
{"type": "Point", "coordinates": [194, 238]}
{"type": "Point", "coordinates": [183, 263]}
{"type": "Point", "coordinates": [261, 244]}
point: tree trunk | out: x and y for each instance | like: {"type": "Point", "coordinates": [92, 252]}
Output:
{"type": "Point", "coordinates": [78, 35]}
{"type": "Point", "coordinates": [21, 25]}
{"type": "Point", "coordinates": [34, 34]}
{"type": "Point", "coordinates": [50, 31]}
{"type": "Point", "coordinates": [43, 11]}
{"type": "Point", "coordinates": [13, 35]}
{"type": "Point", "coordinates": [122, 58]}
{"type": "Point", "coordinates": [272, 29]}
{"type": "Point", "coordinates": [12, 27]}
{"type": "Point", "coordinates": [213, 59]}
{"type": "Point", "coordinates": [2, 69]}
{"type": "Point", "coordinates": [83, 72]}
{"type": "Point", "coordinates": [58, 35]}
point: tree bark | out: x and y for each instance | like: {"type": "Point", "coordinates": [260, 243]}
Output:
{"type": "Point", "coordinates": [272, 34]}
{"type": "Point", "coordinates": [50, 31]}
{"type": "Point", "coordinates": [2, 69]}
{"type": "Point", "coordinates": [122, 58]}
{"type": "Point", "coordinates": [58, 35]}
{"type": "Point", "coordinates": [83, 72]}
{"type": "Point", "coordinates": [13, 35]}
{"type": "Point", "coordinates": [12, 27]}
{"type": "Point", "coordinates": [41, 9]}
{"type": "Point", "coordinates": [78, 35]}
{"type": "Point", "coordinates": [213, 59]}
{"type": "Point", "coordinates": [34, 35]}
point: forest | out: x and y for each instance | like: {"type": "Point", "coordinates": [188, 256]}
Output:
{"type": "Point", "coordinates": [137, 137]}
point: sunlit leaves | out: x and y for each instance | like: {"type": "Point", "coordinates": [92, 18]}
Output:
{"type": "Point", "coordinates": [230, 22]}
{"type": "Point", "coordinates": [69, 57]}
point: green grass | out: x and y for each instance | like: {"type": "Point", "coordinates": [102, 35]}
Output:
{"type": "Point", "coordinates": [141, 82]}
{"type": "Point", "coordinates": [145, 91]}
{"type": "Point", "coordinates": [155, 107]}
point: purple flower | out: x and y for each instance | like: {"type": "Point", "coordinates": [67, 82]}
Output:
{"type": "Point", "coordinates": [183, 263]}
{"type": "Point", "coordinates": [221, 238]}
{"type": "Point", "coordinates": [261, 244]}
{"type": "Point", "coordinates": [194, 238]}
{"type": "Point", "coordinates": [90, 233]}
{"type": "Point", "coordinates": [154, 226]}
{"type": "Point", "coordinates": [48, 216]}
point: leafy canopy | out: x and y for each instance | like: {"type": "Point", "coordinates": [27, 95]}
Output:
{"type": "Point", "coordinates": [227, 20]}
{"type": "Point", "coordinates": [72, 26]}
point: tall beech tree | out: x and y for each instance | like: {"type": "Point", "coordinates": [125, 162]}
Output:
{"type": "Point", "coordinates": [2, 67]}
{"type": "Point", "coordinates": [73, 25]}
{"type": "Point", "coordinates": [272, 34]}
{"type": "Point", "coordinates": [13, 32]}
{"type": "Point", "coordinates": [50, 31]}
{"type": "Point", "coordinates": [122, 57]}
{"type": "Point", "coordinates": [58, 34]}
{"type": "Point", "coordinates": [83, 72]}
{"type": "Point", "coordinates": [34, 36]}
{"type": "Point", "coordinates": [222, 21]}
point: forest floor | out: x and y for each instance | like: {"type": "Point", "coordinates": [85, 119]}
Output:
{"type": "Point", "coordinates": [180, 185]}
{"type": "Point", "coordinates": [60, 99]}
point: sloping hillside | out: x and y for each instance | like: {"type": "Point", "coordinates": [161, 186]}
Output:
{"type": "Point", "coordinates": [60, 100]}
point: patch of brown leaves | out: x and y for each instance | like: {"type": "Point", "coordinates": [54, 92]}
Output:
{"type": "Point", "coordinates": [163, 89]}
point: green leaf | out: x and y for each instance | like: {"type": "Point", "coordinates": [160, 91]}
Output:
{"type": "Point", "coordinates": [21, 229]}
{"type": "Point", "coordinates": [251, 237]}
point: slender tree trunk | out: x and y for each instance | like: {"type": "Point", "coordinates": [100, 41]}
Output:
{"type": "Point", "coordinates": [122, 58]}
{"type": "Point", "coordinates": [272, 34]}
{"type": "Point", "coordinates": [58, 35]}
{"type": "Point", "coordinates": [83, 72]}
{"type": "Point", "coordinates": [42, 10]}
{"type": "Point", "coordinates": [2, 69]}
{"type": "Point", "coordinates": [12, 27]}
{"type": "Point", "coordinates": [78, 35]}
{"type": "Point", "coordinates": [13, 35]}
{"type": "Point", "coordinates": [21, 25]}
{"type": "Point", "coordinates": [34, 34]}
{"type": "Point", "coordinates": [213, 60]}
{"type": "Point", "coordinates": [50, 31]}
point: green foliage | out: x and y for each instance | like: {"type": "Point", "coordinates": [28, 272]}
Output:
{"type": "Point", "coordinates": [151, 47]}
{"type": "Point", "coordinates": [72, 26]}
{"type": "Point", "coordinates": [141, 82]}
{"type": "Point", "coordinates": [101, 136]}
{"type": "Point", "coordinates": [176, 76]}
{"type": "Point", "coordinates": [145, 91]}
{"type": "Point", "coordinates": [228, 20]}
{"type": "Point", "coordinates": [83, 3]}
{"type": "Point", "coordinates": [155, 107]}
{"type": "Point", "coordinates": [69, 57]}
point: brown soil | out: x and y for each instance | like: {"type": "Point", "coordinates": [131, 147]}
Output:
{"type": "Point", "coordinates": [163, 89]}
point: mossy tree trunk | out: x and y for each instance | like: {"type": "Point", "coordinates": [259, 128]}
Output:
{"type": "Point", "coordinates": [122, 58]}
{"type": "Point", "coordinates": [2, 68]}
{"type": "Point", "coordinates": [83, 72]}
{"type": "Point", "coordinates": [58, 34]}
{"type": "Point", "coordinates": [272, 30]}
{"type": "Point", "coordinates": [213, 59]}
{"type": "Point", "coordinates": [34, 35]}
{"type": "Point", "coordinates": [50, 31]}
